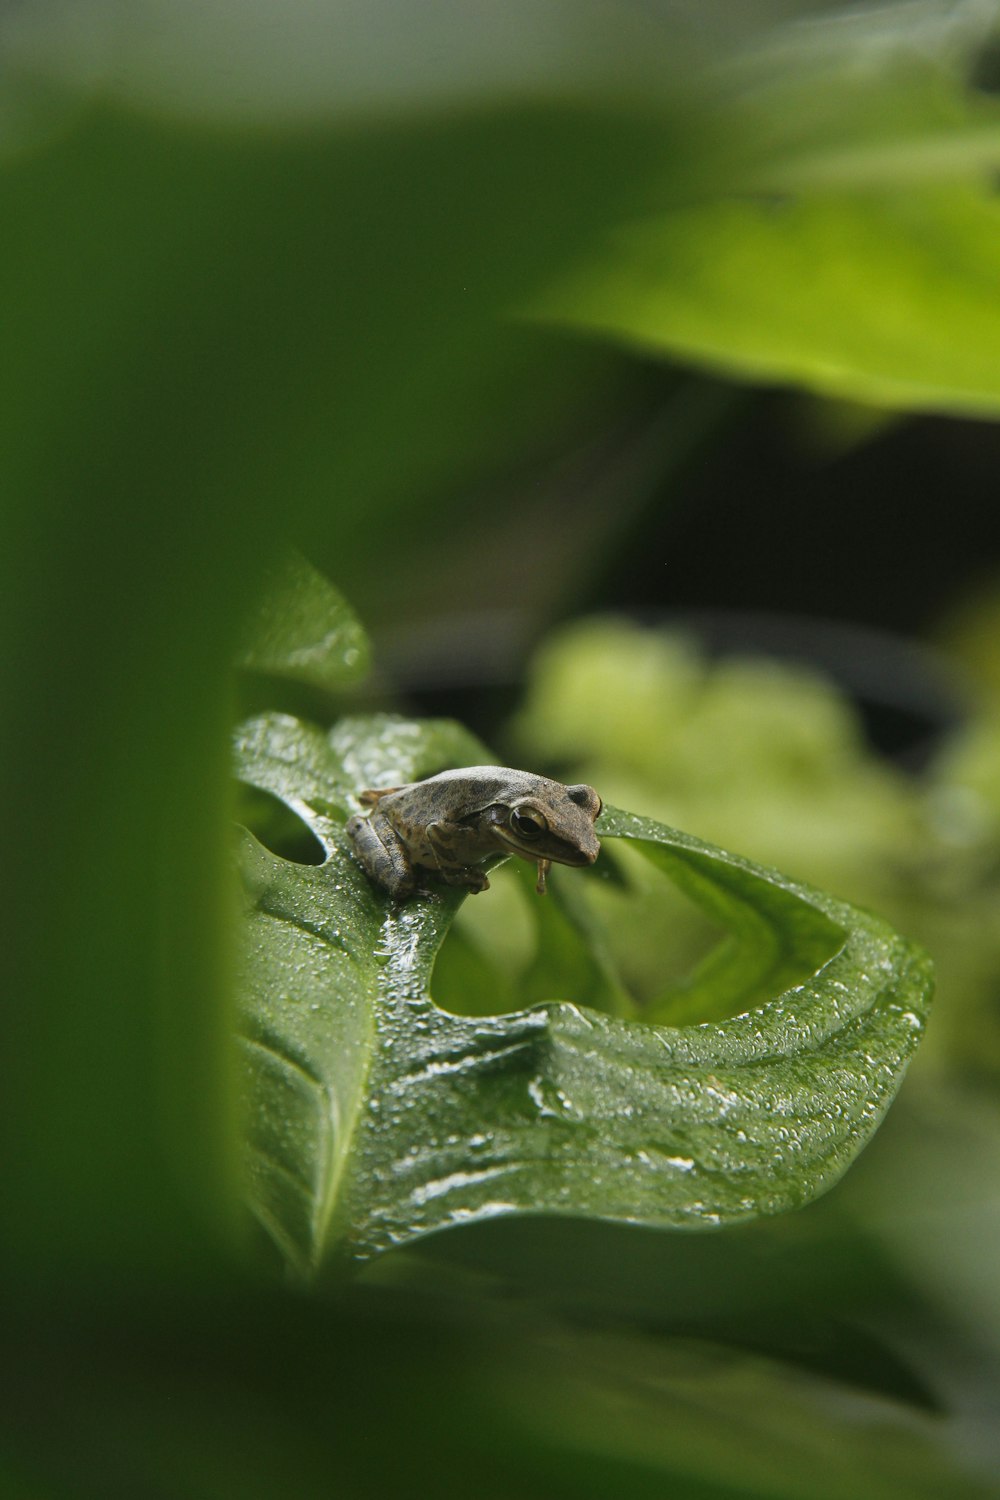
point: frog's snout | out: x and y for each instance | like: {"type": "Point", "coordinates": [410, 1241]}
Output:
{"type": "Point", "coordinates": [588, 852]}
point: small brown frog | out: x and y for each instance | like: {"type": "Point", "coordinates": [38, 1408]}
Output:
{"type": "Point", "coordinates": [448, 825]}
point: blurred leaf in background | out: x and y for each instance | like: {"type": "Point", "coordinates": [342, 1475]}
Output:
{"type": "Point", "coordinates": [856, 252]}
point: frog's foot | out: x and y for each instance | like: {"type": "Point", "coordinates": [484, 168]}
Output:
{"type": "Point", "coordinates": [382, 862]}
{"type": "Point", "coordinates": [370, 797]}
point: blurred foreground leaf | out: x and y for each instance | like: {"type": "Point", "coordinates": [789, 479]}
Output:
{"type": "Point", "coordinates": [374, 1117]}
{"type": "Point", "coordinates": [241, 1395]}
{"type": "Point", "coordinates": [721, 1422]}
{"type": "Point", "coordinates": [213, 341]}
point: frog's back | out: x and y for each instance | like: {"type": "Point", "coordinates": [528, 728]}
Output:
{"type": "Point", "coordinates": [455, 793]}
{"type": "Point", "coordinates": [492, 782]}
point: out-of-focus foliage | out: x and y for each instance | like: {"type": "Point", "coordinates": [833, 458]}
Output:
{"type": "Point", "coordinates": [883, 297]}
{"type": "Point", "coordinates": [263, 276]}
{"type": "Point", "coordinates": [971, 769]}
{"type": "Point", "coordinates": [856, 251]}
{"type": "Point", "coordinates": [214, 339]}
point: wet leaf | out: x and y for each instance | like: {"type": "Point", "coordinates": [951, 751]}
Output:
{"type": "Point", "coordinates": [374, 1117]}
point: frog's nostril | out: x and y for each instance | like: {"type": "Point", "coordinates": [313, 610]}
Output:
{"type": "Point", "coordinates": [585, 797]}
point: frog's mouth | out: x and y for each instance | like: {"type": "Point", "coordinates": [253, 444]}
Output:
{"type": "Point", "coordinates": [566, 854]}
{"type": "Point", "coordinates": [574, 856]}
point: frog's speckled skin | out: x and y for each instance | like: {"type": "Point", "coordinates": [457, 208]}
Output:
{"type": "Point", "coordinates": [446, 826]}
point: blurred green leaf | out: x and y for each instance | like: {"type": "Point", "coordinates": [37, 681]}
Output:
{"type": "Point", "coordinates": [720, 1422]}
{"type": "Point", "coordinates": [853, 248]}
{"type": "Point", "coordinates": [884, 297]}
{"type": "Point", "coordinates": [374, 1117]}
{"type": "Point", "coordinates": [215, 340]}
{"type": "Point", "coordinates": [252, 1390]}
{"type": "Point", "coordinates": [304, 629]}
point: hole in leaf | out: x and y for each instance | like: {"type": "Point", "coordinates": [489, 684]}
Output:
{"type": "Point", "coordinates": [612, 938]}
{"type": "Point", "coordinates": [630, 937]}
{"type": "Point", "coordinates": [278, 828]}
{"type": "Point", "coordinates": [488, 949]}
{"type": "Point", "coordinates": [766, 947]}
{"type": "Point", "coordinates": [659, 938]}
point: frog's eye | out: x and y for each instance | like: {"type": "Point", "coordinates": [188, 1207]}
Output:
{"type": "Point", "coordinates": [526, 823]}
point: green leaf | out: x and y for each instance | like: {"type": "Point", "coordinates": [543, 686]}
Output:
{"type": "Point", "coordinates": [710, 1420]}
{"type": "Point", "coordinates": [374, 1117]}
{"type": "Point", "coordinates": [246, 1395]}
{"type": "Point", "coordinates": [851, 244]}
{"type": "Point", "coordinates": [888, 298]}
{"type": "Point", "coordinates": [304, 629]}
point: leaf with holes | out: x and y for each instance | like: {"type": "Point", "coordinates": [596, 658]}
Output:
{"type": "Point", "coordinates": [373, 1116]}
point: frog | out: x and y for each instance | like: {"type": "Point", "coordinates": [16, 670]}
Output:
{"type": "Point", "coordinates": [446, 826]}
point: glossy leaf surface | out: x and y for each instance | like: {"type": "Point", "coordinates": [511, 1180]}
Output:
{"type": "Point", "coordinates": [374, 1117]}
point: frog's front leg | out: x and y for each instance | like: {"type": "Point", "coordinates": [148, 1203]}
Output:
{"type": "Point", "coordinates": [381, 855]}
{"type": "Point", "coordinates": [456, 851]}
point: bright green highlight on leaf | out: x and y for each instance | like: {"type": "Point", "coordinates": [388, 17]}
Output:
{"type": "Point", "coordinates": [374, 1117]}
{"type": "Point", "coordinates": [885, 297]}
{"type": "Point", "coordinates": [850, 242]}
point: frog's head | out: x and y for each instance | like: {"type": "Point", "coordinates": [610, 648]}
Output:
{"type": "Point", "coordinates": [555, 823]}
